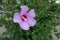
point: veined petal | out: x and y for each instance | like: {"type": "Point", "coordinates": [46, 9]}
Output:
{"type": "Point", "coordinates": [24, 25]}
{"type": "Point", "coordinates": [31, 21]}
{"type": "Point", "coordinates": [24, 8]}
{"type": "Point", "coordinates": [16, 18]}
{"type": "Point", "coordinates": [32, 13]}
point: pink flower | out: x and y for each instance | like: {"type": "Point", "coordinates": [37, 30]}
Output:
{"type": "Point", "coordinates": [25, 19]}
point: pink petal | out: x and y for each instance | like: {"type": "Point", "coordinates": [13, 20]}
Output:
{"type": "Point", "coordinates": [24, 8]}
{"type": "Point", "coordinates": [31, 21]}
{"type": "Point", "coordinates": [16, 18]}
{"type": "Point", "coordinates": [24, 25]}
{"type": "Point", "coordinates": [32, 13]}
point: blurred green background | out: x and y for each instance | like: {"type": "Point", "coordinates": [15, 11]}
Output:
{"type": "Point", "coordinates": [46, 16]}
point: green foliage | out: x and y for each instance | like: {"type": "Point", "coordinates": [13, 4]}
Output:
{"type": "Point", "coordinates": [45, 15]}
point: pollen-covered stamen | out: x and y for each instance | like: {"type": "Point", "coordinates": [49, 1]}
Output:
{"type": "Point", "coordinates": [24, 18]}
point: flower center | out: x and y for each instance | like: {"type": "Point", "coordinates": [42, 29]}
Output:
{"type": "Point", "coordinates": [24, 18]}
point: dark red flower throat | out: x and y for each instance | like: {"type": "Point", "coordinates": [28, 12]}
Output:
{"type": "Point", "coordinates": [23, 17]}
